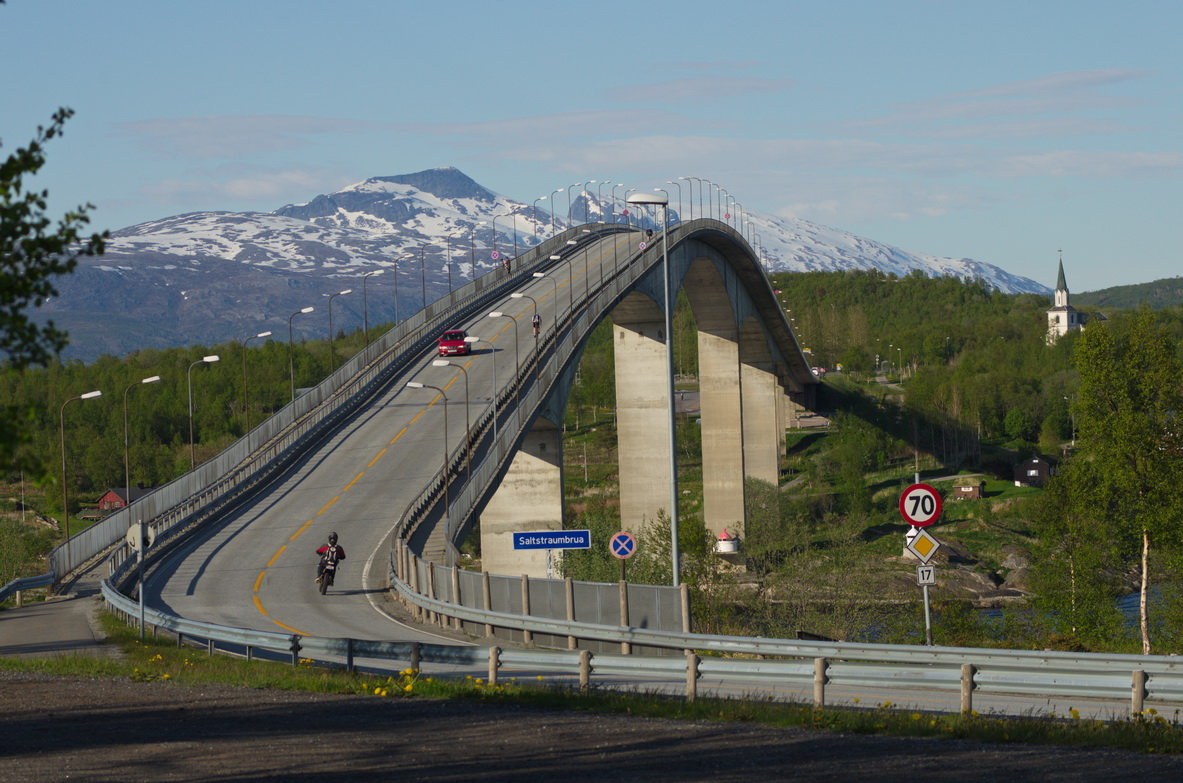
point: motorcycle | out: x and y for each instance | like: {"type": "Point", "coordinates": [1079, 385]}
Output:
{"type": "Point", "coordinates": [325, 572]}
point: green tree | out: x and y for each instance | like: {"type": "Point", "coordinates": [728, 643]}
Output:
{"type": "Point", "coordinates": [33, 250]}
{"type": "Point", "coordinates": [1127, 412]}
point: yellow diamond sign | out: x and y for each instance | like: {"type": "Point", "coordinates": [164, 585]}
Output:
{"type": "Point", "coordinates": [922, 545]}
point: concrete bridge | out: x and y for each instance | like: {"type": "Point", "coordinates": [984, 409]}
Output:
{"type": "Point", "coordinates": [478, 440]}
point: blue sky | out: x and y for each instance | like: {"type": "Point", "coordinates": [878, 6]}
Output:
{"type": "Point", "coordinates": [1000, 131]}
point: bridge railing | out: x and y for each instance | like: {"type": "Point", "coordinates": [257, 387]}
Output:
{"type": "Point", "coordinates": [250, 462]}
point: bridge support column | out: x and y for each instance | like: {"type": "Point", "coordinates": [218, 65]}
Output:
{"type": "Point", "coordinates": [762, 430]}
{"type": "Point", "coordinates": [530, 498]}
{"type": "Point", "coordinates": [642, 418]}
{"type": "Point", "coordinates": [722, 432]}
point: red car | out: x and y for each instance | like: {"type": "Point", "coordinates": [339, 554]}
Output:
{"type": "Point", "coordinates": [452, 343]}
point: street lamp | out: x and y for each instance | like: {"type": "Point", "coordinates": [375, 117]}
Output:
{"type": "Point", "coordinates": [644, 198]}
{"type": "Point", "coordinates": [520, 295]}
{"type": "Point", "coordinates": [332, 354]}
{"type": "Point", "coordinates": [517, 356]}
{"type": "Point", "coordinates": [553, 209]}
{"type": "Point", "coordinates": [614, 187]}
{"type": "Point", "coordinates": [66, 479]}
{"type": "Point", "coordinates": [472, 249]}
{"type": "Point", "coordinates": [534, 214]}
{"type": "Point", "coordinates": [545, 276]}
{"type": "Point", "coordinates": [189, 376]}
{"type": "Point", "coordinates": [447, 488]}
{"type": "Point", "coordinates": [126, 438]}
{"type": "Point", "coordinates": [467, 418]}
{"type": "Point", "coordinates": [667, 199]}
{"type": "Point", "coordinates": [471, 340]}
{"type": "Point", "coordinates": [291, 360]}
{"type": "Point", "coordinates": [245, 402]}
{"type": "Point", "coordinates": [365, 304]}
{"type": "Point", "coordinates": [569, 189]}
{"type": "Point", "coordinates": [677, 185]}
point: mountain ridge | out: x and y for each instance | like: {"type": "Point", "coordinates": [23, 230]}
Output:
{"type": "Point", "coordinates": [213, 276]}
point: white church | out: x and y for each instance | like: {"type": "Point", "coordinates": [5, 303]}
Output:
{"type": "Point", "coordinates": [1062, 317]}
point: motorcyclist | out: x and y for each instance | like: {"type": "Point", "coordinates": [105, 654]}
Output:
{"type": "Point", "coordinates": [536, 322]}
{"type": "Point", "coordinates": [330, 554]}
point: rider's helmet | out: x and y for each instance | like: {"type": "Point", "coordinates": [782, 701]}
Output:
{"type": "Point", "coordinates": [333, 539]}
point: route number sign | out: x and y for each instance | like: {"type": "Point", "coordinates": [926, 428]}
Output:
{"type": "Point", "coordinates": [920, 505]}
{"type": "Point", "coordinates": [622, 545]}
{"type": "Point", "coordinates": [926, 575]}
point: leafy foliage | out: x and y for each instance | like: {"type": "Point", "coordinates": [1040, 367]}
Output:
{"type": "Point", "coordinates": [33, 250]}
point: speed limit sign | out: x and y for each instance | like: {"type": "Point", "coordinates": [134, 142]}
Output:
{"type": "Point", "coordinates": [920, 505]}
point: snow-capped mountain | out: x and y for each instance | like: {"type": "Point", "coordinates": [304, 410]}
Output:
{"type": "Point", "coordinates": [211, 277]}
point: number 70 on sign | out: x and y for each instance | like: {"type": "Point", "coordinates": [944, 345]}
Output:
{"type": "Point", "coordinates": [920, 505]}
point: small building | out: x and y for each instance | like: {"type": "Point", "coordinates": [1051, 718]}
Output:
{"type": "Point", "coordinates": [969, 488]}
{"type": "Point", "coordinates": [1033, 472]}
{"type": "Point", "coordinates": [120, 497]}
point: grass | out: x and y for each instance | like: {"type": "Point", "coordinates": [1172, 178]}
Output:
{"type": "Point", "coordinates": [158, 660]}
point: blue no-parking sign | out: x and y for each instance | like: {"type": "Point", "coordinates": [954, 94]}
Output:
{"type": "Point", "coordinates": [622, 545]}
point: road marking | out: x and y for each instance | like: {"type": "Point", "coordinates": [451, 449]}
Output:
{"type": "Point", "coordinates": [298, 532]}
{"type": "Point", "coordinates": [259, 606]}
{"type": "Point", "coordinates": [383, 452]}
{"type": "Point", "coordinates": [275, 557]}
{"type": "Point", "coordinates": [355, 480]}
{"type": "Point", "coordinates": [326, 507]}
{"type": "Point", "coordinates": [393, 440]}
{"type": "Point", "coordinates": [259, 581]}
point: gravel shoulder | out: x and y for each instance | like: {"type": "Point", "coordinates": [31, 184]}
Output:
{"type": "Point", "coordinates": [57, 728]}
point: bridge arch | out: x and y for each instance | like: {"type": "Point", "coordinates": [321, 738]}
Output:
{"type": "Point", "coordinates": [748, 361]}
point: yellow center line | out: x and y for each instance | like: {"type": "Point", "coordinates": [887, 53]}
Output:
{"type": "Point", "coordinates": [275, 557]}
{"type": "Point", "coordinates": [298, 532]}
{"type": "Point", "coordinates": [259, 605]}
{"type": "Point", "coordinates": [355, 480]}
{"type": "Point", "coordinates": [381, 453]}
{"type": "Point", "coordinates": [393, 440]}
{"type": "Point", "coordinates": [327, 506]}
{"type": "Point", "coordinates": [259, 581]}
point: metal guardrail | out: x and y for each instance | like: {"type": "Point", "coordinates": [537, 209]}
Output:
{"type": "Point", "coordinates": [25, 583]}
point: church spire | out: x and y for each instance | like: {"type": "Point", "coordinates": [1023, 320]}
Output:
{"type": "Point", "coordinates": [1061, 283]}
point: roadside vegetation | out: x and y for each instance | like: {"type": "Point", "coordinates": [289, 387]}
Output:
{"type": "Point", "coordinates": [161, 661]}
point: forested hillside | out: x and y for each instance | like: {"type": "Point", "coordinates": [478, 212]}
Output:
{"type": "Point", "coordinates": [1157, 295]}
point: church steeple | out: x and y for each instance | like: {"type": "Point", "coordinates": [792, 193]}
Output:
{"type": "Point", "coordinates": [1062, 317]}
{"type": "Point", "coordinates": [1061, 286]}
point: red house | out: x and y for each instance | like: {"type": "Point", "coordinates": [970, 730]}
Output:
{"type": "Point", "coordinates": [119, 497]}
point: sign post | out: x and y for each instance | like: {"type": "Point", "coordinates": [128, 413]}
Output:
{"type": "Point", "coordinates": [920, 506]}
{"type": "Point", "coordinates": [139, 538]}
{"type": "Point", "coordinates": [622, 546]}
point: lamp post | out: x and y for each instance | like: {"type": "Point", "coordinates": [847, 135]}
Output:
{"type": "Point", "coordinates": [553, 282]}
{"type": "Point", "coordinates": [472, 249]}
{"type": "Point", "coordinates": [614, 187]}
{"type": "Point", "coordinates": [643, 198]}
{"type": "Point", "coordinates": [396, 292]}
{"type": "Point", "coordinates": [507, 214]}
{"type": "Point", "coordinates": [520, 295]}
{"type": "Point", "coordinates": [448, 264]}
{"type": "Point", "coordinates": [677, 185]}
{"type": "Point", "coordinates": [246, 411]}
{"type": "Point", "coordinates": [569, 189]}
{"type": "Point", "coordinates": [628, 219]}
{"type": "Point", "coordinates": [423, 277]}
{"type": "Point", "coordinates": [553, 209]}
{"type": "Point", "coordinates": [291, 359]}
{"type": "Point", "coordinates": [664, 225]}
{"type": "Point", "coordinates": [127, 439]}
{"type": "Point", "coordinates": [189, 376]}
{"type": "Point", "coordinates": [332, 353]}
{"type": "Point", "coordinates": [65, 478]}
{"type": "Point", "coordinates": [447, 488]}
{"type": "Point", "coordinates": [517, 356]}
{"type": "Point", "coordinates": [534, 215]}
{"type": "Point", "coordinates": [571, 276]}
{"type": "Point", "coordinates": [467, 417]}
{"type": "Point", "coordinates": [472, 339]}
{"type": "Point", "coordinates": [365, 302]}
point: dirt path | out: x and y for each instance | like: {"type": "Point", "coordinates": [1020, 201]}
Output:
{"type": "Point", "coordinates": [109, 729]}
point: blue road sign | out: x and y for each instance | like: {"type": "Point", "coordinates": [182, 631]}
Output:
{"type": "Point", "coordinates": [553, 539]}
{"type": "Point", "coordinates": [622, 545]}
